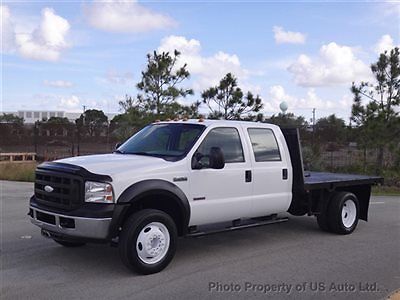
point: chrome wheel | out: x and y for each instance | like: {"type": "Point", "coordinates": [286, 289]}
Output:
{"type": "Point", "coordinates": [349, 213]}
{"type": "Point", "coordinates": [153, 242]}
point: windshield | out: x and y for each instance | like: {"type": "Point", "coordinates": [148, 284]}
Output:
{"type": "Point", "coordinates": [169, 141]}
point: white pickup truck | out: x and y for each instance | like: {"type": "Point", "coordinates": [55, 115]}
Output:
{"type": "Point", "coordinates": [189, 177]}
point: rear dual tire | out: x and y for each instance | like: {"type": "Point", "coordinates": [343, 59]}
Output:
{"type": "Point", "coordinates": [341, 214]}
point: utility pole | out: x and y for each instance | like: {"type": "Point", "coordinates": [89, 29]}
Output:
{"type": "Point", "coordinates": [313, 126]}
{"type": "Point", "coordinates": [84, 110]}
{"type": "Point", "coordinates": [79, 127]}
{"type": "Point", "coordinates": [313, 117]}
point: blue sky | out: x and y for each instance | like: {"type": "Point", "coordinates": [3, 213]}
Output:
{"type": "Point", "coordinates": [62, 55]}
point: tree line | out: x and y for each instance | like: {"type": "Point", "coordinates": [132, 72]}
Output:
{"type": "Point", "coordinates": [161, 91]}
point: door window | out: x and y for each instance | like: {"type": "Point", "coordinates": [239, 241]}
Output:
{"type": "Point", "coordinates": [264, 144]}
{"type": "Point", "coordinates": [226, 138]}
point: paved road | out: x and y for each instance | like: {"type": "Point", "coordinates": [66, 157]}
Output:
{"type": "Point", "coordinates": [289, 257]}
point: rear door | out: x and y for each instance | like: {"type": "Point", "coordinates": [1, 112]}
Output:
{"type": "Point", "coordinates": [271, 171]}
{"type": "Point", "coordinates": [224, 194]}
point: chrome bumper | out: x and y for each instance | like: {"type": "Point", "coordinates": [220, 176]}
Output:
{"type": "Point", "coordinates": [83, 227]}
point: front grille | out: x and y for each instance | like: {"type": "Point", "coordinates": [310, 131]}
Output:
{"type": "Point", "coordinates": [64, 191]}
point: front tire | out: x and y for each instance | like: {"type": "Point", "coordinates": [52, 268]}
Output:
{"type": "Point", "coordinates": [147, 242]}
{"type": "Point", "coordinates": [343, 213]}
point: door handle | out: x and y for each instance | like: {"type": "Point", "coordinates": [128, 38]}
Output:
{"type": "Point", "coordinates": [247, 176]}
{"type": "Point", "coordinates": [284, 174]}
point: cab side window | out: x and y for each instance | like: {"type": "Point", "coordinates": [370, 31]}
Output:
{"type": "Point", "coordinates": [226, 138]}
{"type": "Point", "coordinates": [264, 144]}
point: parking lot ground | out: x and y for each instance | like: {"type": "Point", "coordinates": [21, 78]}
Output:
{"type": "Point", "coordinates": [291, 259]}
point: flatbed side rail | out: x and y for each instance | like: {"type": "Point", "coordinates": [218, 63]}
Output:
{"type": "Point", "coordinates": [330, 181]}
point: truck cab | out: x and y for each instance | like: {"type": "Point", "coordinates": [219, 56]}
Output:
{"type": "Point", "coordinates": [173, 177]}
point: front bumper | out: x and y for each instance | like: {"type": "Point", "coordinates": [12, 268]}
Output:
{"type": "Point", "coordinates": [66, 226]}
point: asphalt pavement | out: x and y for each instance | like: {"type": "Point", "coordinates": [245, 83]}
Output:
{"type": "Point", "coordinates": [293, 259]}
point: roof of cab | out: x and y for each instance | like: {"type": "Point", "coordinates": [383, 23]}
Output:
{"type": "Point", "coordinates": [208, 122]}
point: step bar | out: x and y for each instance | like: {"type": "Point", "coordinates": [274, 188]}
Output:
{"type": "Point", "coordinates": [235, 225]}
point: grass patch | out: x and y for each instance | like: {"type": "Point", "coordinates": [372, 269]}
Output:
{"type": "Point", "coordinates": [385, 190]}
{"type": "Point", "coordinates": [18, 171]}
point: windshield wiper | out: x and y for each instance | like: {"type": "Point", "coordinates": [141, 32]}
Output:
{"type": "Point", "coordinates": [151, 154]}
{"type": "Point", "coordinates": [141, 153]}
{"type": "Point", "coordinates": [119, 151]}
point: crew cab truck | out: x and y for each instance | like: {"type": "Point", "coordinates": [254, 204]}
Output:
{"type": "Point", "coordinates": [174, 178]}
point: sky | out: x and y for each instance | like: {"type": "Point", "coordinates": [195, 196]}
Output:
{"type": "Point", "coordinates": [63, 55]}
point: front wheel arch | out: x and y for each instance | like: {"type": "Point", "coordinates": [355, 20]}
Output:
{"type": "Point", "coordinates": [155, 194]}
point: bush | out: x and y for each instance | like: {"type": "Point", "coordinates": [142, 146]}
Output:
{"type": "Point", "coordinates": [18, 171]}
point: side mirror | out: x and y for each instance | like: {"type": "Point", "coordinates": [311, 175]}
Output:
{"type": "Point", "coordinates": [217, 160]}
{"type": "Point", "coordinates": [196, 164]}
{"type": "Point", "coordinates": [117, 145]}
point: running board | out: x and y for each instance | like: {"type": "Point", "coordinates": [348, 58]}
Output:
{"type": "Point", "coordinates": [238, 227]}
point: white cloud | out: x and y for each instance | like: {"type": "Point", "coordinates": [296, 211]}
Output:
{"type": "Point", "coordinates": [46, 42]}
{"type": "Point", "coordinates": [7, 30]}
{"type": "Point", "coordinates": [125, 16]}
{"type": "Point", "coordinates": [65, 102]}
{"type": "Point", "coordinates": [311, 100]}
{"type": "Point", "coordinates": [208, 70]}
{"type": "Point", "coordinates": [58, 83]}
{"type": "Point", "coordinates": [390, 9]}
{"type": "Point", "coordinates": [288, 37]}
{"type": "Point", "coordinates": [69, 103]}
{"type": "Point", "coordinates": [335, 65]}
{"type": "Point", "coordinates": [385, 43]}
{"type": "Point", "coordinates": [115, 77]}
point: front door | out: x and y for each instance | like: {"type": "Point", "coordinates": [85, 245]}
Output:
{"type": "Point", "coordinates": [221, 194]}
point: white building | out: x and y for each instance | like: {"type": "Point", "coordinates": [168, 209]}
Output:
{"type": "Point", "coordinates": [31, 116]}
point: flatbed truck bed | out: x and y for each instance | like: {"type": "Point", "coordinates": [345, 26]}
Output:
{"type": "Point", "coordinates": [325, 180]}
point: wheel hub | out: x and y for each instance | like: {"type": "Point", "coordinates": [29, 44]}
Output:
{"type": "Point", "coordinates": [349, 213]}
{"type": "Point", "coordinates": [153, 243]}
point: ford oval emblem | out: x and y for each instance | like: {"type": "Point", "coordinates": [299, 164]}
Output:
{"type": "Point", "coordinates": [48, 188]}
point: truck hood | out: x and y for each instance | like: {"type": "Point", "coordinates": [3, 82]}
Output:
{"type": "Point", "coordinates": [109, 164]}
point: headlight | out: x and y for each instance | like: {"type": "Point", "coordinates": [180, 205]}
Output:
{"type": "Point", "coordinates": [98, 192]}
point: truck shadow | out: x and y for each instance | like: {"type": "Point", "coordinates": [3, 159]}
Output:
{"type": "Point", "coordinates": [95, 259]}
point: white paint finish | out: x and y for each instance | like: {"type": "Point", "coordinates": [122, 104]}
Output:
{"type": "Point", "coordinates": [227, 195]}
{"type": "Point", "coordinates": [271, 193]}
{"type": "Point", "coordinates": [126, 169]}
{"type": "Point", "coordinates": [114, 163]}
